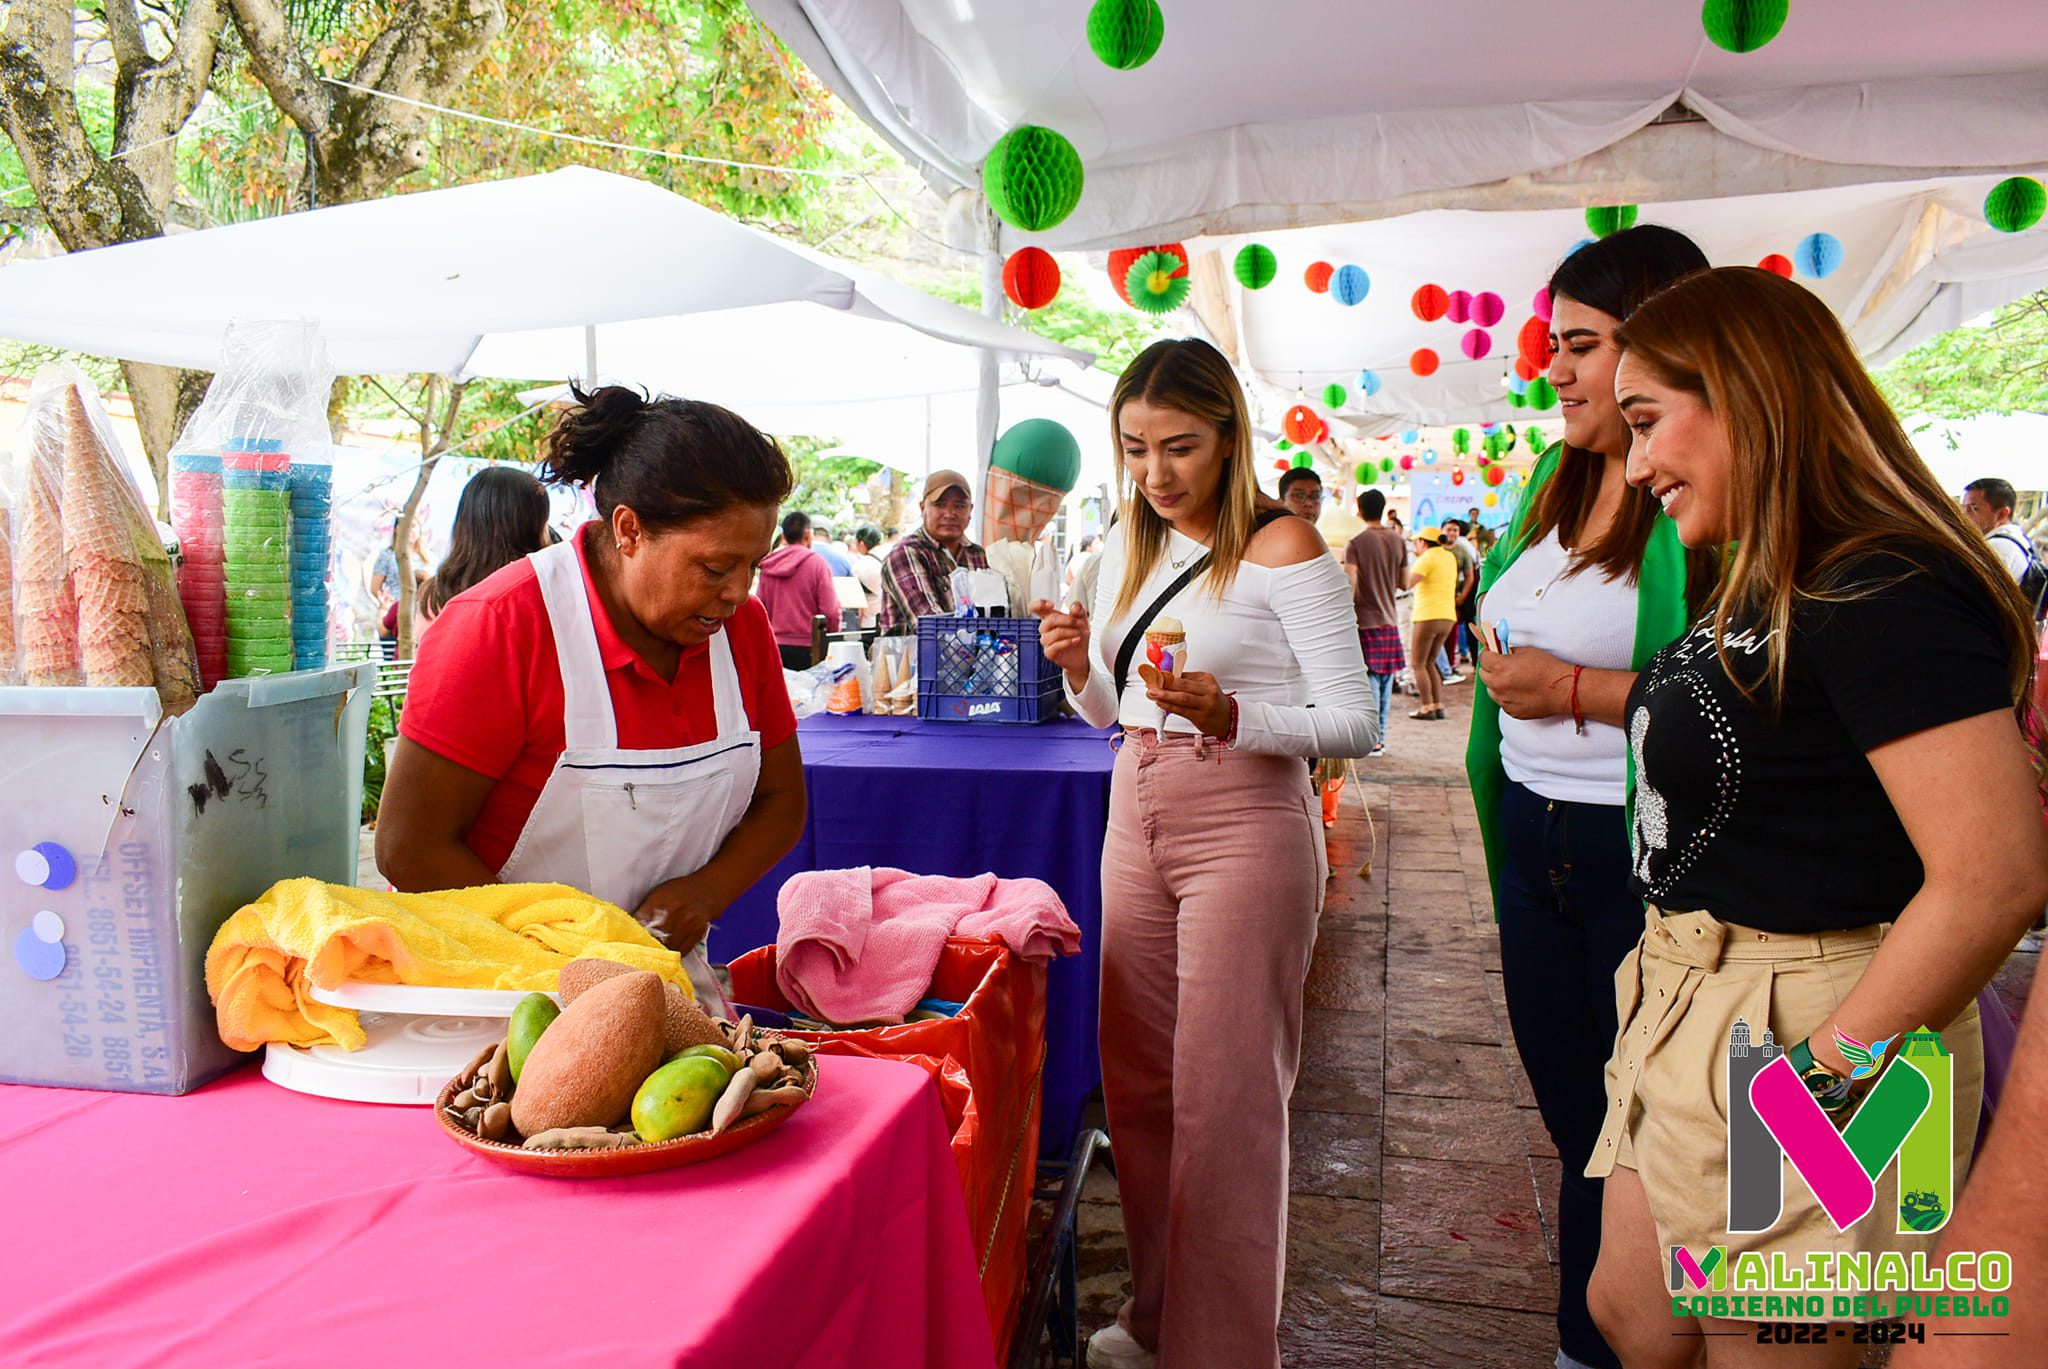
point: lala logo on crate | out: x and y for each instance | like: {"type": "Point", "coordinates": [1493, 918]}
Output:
{"type": "Point", "coordinates": [1908, 1117]}
{"type": "Point", "coordinates": [982, 710]}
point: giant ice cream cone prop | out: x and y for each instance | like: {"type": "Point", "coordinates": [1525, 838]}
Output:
{"type": "Point", "coordinates": [1032, 469]}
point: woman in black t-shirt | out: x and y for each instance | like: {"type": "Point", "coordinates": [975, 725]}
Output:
{"type": "Point", "coordinates": [1835, 854]}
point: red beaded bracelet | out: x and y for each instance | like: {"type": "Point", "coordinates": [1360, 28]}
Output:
{"type": "Point", "coordinates": [1230, 737]}
{"type": "Point", "coordinates": [1578, 718]}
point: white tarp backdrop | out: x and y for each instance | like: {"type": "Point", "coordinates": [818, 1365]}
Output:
{"type": "Point", "coordinates": [1251, 119]}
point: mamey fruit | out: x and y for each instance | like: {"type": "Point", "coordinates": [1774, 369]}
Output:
{"type": "Point", "coordinates": [677, 1099]}
{"type": "Point", "coordinates": [529, 1019]}
{"type": "Point", "coordinates": [584, 1070]}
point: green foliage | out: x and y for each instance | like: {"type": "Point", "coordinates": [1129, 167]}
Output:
{"type": "Point", "coordinates": [2001, 368]}
{"type": "Point", "coordinates": [383, 728]}
{"type": "Point", "coordinates": [829, 487]}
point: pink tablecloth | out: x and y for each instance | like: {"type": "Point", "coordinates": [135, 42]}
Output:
{"type": "Point", "coordinates": [246, 1225]}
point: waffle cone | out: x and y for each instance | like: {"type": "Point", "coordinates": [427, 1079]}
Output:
{"type": "Point", "coordinates": [100, 507]}
{"type": "Point", "coordinates": [1155, 637]}
{"type": "Point", "coordinates": [1019, 509]}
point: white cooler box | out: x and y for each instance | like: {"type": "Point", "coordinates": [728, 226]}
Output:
{"type": "Point", "coordinates": [126, 839]}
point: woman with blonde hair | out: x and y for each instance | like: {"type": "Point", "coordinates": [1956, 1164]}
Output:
{"type": "Point", "coordinates": [1213, 867]}
{"type": "Point", "coordinates": [1834, 856]}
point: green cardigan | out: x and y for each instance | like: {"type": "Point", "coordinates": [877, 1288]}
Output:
{"type": "Point", "coordinates": [1660, 619]}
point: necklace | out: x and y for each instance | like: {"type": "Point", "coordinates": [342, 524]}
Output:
{"type": "Point", "coordinates": [1181, 563]}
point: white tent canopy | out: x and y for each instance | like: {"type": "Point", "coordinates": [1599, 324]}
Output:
{"type": "Point", "coordinates": [1916, 259]}
{"type": "Point", "coordinates": [535, 271]}
{"type": "Point", "coordinates": [1326, 111]}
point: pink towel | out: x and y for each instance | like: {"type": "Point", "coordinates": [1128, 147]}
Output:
{"type": "Point", "coordinates": [861, 945]}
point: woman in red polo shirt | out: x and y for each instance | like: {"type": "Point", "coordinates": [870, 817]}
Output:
{"type": "Point", "coordinates": [609, 713]}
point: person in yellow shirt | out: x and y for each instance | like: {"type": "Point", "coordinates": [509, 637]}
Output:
{"type": "Point", "coordinates": [1434, 578]}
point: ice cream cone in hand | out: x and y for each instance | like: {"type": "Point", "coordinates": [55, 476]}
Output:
{"type": "Point", "coordinates": [1166, 652]}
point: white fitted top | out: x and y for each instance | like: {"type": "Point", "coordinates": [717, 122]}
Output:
{"type": "Point", "coordinates": [1284, 637]}
{"type": "Point", "coordinates": [1582, 619]}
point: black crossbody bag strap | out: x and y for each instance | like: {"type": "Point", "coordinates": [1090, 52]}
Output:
{"type": "Point", "coordinates": [1137, 632]}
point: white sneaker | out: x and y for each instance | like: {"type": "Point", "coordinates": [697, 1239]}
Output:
{"type": "Point", "coordinates": [1454, 678]}
{"type": "Point", "coordinates": [1379, 750]}
{"type": "Point", "coordinates": [1115, 1348]}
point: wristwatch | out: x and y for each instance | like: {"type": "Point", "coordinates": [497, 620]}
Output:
{"type": "Point", "coordinates": [1830, 1090]}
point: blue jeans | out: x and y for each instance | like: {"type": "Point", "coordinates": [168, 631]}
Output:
{"type": "Point", "coordinates": [1567, 921]}
{"type": "Point", "coordinates": [1443, 663]}
{"type": "Point", "coordinates": [1383, 692]}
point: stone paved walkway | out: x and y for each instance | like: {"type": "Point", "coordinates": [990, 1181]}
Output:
{"type": "Point", "coordinates": [1422, 1221]}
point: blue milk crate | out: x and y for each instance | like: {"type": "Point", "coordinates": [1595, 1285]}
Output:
{"type": "Point", "coordinates": [984, 670]}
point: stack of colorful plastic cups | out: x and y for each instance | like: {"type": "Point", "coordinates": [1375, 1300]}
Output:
{"type": "Point", "coordinates": [312, 526]}
{"type": "Point", "coordinates": [196, 517]}
{"type": "Point", "coordinates": [255, 553]}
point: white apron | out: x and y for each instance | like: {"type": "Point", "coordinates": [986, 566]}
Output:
{"type": "Point", "coordinates": [616, 823]}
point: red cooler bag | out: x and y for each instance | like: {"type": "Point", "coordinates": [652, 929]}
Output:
{"type": "Point", "coordinates": [988, 1062]}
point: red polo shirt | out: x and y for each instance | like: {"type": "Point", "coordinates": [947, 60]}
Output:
{"type": "Point", "coordinates": [486, 693]}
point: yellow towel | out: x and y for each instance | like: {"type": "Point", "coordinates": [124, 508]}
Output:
{"type": "Point", "coordinates": [303, 933]}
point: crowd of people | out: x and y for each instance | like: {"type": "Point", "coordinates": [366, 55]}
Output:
{"type": "Point", "coordinates": [1751, 751]}
{"type": "Point", "coordinates": [1712, 799]}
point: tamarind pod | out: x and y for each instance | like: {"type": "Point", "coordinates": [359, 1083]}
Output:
{"type": "Point", "coordinates": [737, 1091]}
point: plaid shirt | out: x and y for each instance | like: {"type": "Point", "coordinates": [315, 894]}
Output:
{"type": "Point", "coordinates": [917, 579]}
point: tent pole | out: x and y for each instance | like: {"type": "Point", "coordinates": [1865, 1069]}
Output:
{"type": "Point", "coordinates": [590, 355]}
{"type": "Point", "coordinates": [988, 395]}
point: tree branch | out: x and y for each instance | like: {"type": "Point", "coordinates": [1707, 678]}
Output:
{"type": "Point", "coordinates": [153, 98]}
{"type": "Point", "coordinates": [79, 191]}
{"type": "Point", "coordinates": [124, 30]}
{"type": "Point", "coordinates": [425, 53]}
{"type": "Point", "coordinates": [275, 57]}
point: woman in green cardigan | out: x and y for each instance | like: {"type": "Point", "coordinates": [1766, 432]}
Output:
{"type": "Point", "coordinates": [1589, 582]}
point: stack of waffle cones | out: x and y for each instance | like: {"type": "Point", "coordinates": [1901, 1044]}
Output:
{"type": "Point", "coordinates": [1019, 509]}
{"type": "Point", "coordinates": [94, 598]}
{"type": "Point", "coordinates": [8, 653]}
{"type": "Point", "coordinates": [45, 613]}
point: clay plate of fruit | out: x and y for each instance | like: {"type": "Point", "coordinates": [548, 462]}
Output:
{"type": "Point", "coordinates": [627, 1078]}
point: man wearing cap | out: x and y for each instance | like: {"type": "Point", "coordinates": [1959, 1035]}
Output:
{"type": "Point", "coordinates": [917, 574]}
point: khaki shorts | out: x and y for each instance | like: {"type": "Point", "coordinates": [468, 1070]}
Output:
{"type": "Point", "coordinates": [1678, 997]}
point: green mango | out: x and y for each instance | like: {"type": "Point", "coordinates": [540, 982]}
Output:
{"type": "Point", "coordinates": [529, 1019]}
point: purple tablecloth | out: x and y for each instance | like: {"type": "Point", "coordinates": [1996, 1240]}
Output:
{"type": "Point", "coordinates": [959, 799]}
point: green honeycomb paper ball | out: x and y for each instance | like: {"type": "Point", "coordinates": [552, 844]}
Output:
{"type": "Point", "coordinates": [1032, 178]}
{"type": "Point", "coordinates": [2015, 204]}
{"type": "Point", "coordinates": [1334, 395]}
{"type": "Point", "coordinates": [1604, 219]}
{"type": "Point", "coordinates": [1256, 266]}
{"type": "Point", "coordinates": [1743, 25]}
{"type": "Point", "coordinates": [1386, 465]}
{"type": "Point", "coordinates": [1303, 461]}
{"type": "Point", "coordinates": [1533, 435]}
{"type": "Point", "coordinates": [1541, 396]}
{"type": "Point", "coordinates": [1041, 451]}
{"type": "Point", "coordinates": [1126, 33]}
{"type": "Point", "coordinates": [1367, 476]}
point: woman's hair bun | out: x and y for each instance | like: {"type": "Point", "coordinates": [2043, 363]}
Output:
{"type": "Point", "coordinates": [585, 438]}
{"type": "Point", "coordinates": [669, 460]}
